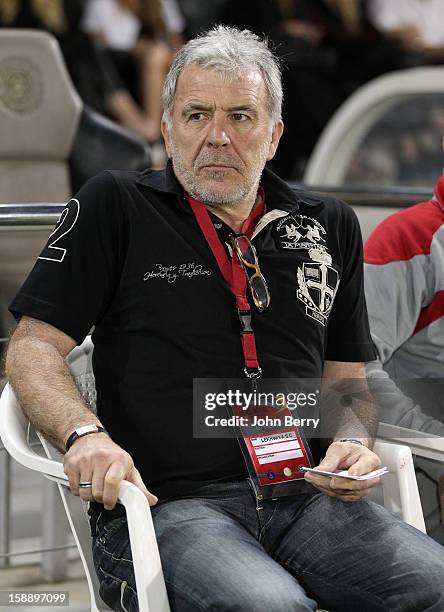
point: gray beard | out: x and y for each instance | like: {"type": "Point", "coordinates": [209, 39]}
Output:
{"type": "Point", "coordinates": [212, 197]}
{"type": "Point", "coordinates": [219, 200]}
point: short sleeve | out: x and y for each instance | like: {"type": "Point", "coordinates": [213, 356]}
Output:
{"type": "Point", "coordinates": [348, 332]}
{"type": "Point", "coordinates": [76, 275]}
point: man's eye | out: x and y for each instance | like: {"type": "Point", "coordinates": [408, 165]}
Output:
{"type": "Point", "coordinates": [239, 117]}
{"type": "Point", "coordinates": [196, 117]}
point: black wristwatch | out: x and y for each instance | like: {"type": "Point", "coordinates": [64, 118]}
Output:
{"type": "Point", "coordinates": [83, 431]}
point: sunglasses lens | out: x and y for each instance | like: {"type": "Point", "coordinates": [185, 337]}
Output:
{"type": "Point", "coordinates": [246, 249]}
{"type": "Point", "coordinates": [260, 292]}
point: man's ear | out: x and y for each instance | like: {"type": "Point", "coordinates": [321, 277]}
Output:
{"type": "Point", "coordinates": [166, 136]}
{"type": "Point", "coordinates": [275, 138]}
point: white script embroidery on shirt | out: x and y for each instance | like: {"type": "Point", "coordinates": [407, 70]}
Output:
{"type": "Point", "coordinates": [172, 273]}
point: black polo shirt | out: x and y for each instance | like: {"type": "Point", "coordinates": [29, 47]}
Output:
{"type": "Point", "coordinates": [127, 257]}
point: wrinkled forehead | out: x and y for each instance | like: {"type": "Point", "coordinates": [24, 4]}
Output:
{"type": "Point", "coordinates": [211, 84]}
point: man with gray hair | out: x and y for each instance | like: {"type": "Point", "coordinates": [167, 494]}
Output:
{"type": "Point", "coordinates": [171, 269]}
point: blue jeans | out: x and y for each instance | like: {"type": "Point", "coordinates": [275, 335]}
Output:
{"type": "Point", "coordinates": [221, 553]}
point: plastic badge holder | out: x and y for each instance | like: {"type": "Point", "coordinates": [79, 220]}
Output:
{"type": "Point", "coordinates": [274, 453]}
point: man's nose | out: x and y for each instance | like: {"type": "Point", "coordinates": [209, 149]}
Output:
{"type": "Point", "coordinates": [217, 133]}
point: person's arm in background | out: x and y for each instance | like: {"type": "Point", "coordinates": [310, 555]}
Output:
{"type": "Point", "coordinates": [395, 407]}
{"type": "Point", "coordinates": [37, 371]}
{"type": "Point", "coordinates": [399, 283]}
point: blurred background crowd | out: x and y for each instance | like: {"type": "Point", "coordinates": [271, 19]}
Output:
{"type": "Point", "coordinates": [118, 53]}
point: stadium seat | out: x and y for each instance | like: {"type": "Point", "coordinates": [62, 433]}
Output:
{"type": "Point", "coordinates": [51, 143]}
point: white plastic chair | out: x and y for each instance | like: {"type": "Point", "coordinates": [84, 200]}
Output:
{"type": "Point", "coordinates": [399, 487]}
{"type": "Point", "coordinates": [400, 492]}
{"type": "Point", "coordinates": [151, 590]}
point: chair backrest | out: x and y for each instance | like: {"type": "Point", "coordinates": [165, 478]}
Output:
{"type": "Point", "coordinates": [402, 96]}
{"type": "Point", "coordinates": [363, 144]}
{"type": "Point", "coordinates": [50, 142]}
{"type": "Point", "coordinates": [101, 144]}
{"type": "Point", "coordinates": [80, 364]}
{"type": "Point", "coordinates": [39, 114]}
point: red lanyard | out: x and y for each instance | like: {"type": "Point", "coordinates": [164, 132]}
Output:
{"type": "Point", "coordinates": [235, 277]}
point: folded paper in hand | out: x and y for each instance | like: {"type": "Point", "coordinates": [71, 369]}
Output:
{"type": "Point", "coordinates": [345, 474]}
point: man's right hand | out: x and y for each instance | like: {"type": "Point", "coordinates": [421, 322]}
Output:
{"type": "Point", "coordinates": [97, 459]}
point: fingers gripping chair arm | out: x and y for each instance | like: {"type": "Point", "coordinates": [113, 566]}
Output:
{"type": "Point", "coordinates": [399, 487]}
{"type": "Point", "coordinates": [150, 584]}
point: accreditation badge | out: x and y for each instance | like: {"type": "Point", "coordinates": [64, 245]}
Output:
{"type": "Point", "coordinates": [274, 448]}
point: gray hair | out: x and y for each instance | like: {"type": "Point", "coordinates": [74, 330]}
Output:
{"type": "Point", "coordinates": [233, 53]}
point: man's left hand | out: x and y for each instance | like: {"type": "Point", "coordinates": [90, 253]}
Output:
{"type": "Point", "coordinates": [357, 459]}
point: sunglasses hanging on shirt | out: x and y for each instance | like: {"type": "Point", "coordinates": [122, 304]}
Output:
{"type": "Point", "coordinates": [249, 260]}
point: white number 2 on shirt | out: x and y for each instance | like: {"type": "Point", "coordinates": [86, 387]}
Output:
{"type": "Point", "coordinates": [66, 222]}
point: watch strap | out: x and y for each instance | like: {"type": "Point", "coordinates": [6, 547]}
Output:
{"type": "Point", "coordinates": [352, 440]}
{"type": "Point", "coordinates": [83, 431]}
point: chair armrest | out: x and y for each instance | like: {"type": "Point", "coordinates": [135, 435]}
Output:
{"type": "Point", "coordinates": [14, 434]}
{"type": "Point", "coordinates": [399, 487]}
{"type": "Point", "coordinates": [151, 589]}
{"type": "Point", "coordinates": [421, 443]}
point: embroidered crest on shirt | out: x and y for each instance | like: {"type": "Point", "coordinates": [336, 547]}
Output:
{"type": "Point", "coordinates": [317, 285]}
{"type": "Point", "coordinates": [300, 232]}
